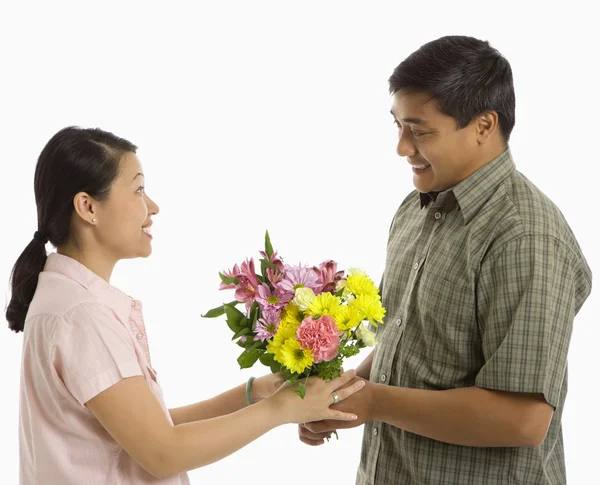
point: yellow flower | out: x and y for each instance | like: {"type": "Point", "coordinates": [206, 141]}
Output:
{"type": "Point", "coordinates": [287, 329]}
{"type": "Point", "coordinates": [360, 284]}
{"type": "Point", "coordinates": [370, 307]}
{"type": "Point", "coordinates": [347, 317]}
{"type": "Point", "coordinates": [295, 358]}
{"type": "Point", "coordinates": [291, 311]}
{"type": "Point", "coordinates": [324, 304]}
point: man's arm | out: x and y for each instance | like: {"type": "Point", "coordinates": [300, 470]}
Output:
{"type": "Point", "coordinates": [364, 369]}
{"type": "Point", "coordinates": [469, 416]}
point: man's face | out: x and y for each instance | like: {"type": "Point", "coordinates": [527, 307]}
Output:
{"type": "Point", "coordinates": [440, 154]}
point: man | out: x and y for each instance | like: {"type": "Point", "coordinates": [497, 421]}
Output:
{"type": "Point", "coordinates": [483, 279]}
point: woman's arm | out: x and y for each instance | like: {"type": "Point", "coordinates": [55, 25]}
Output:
{"type": "Point", "coordinates": [227, 402]}
{"type": "Point", "coordinates": [134, 418]}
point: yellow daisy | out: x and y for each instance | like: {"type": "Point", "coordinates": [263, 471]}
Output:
{"type": "Point", "coordinates": [295, 358]}
{"type": "Point", "coordinates": [347, 317]}
{"type": "Point", "coordinates": [370, 307]}
{"type": "Point", "coordinates": [324, 304]}
{"type": "Point", "coordinates": [360, 284]}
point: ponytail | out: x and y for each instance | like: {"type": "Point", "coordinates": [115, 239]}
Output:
{"type": "Point", "coordinates": [23, 281]}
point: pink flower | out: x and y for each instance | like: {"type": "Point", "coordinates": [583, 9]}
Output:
{"type": "Point", "coordinates": [274, 274]}
{"type": "Point", "coordinates": [298, 277]}
{"type": "Point", "coordinates": [267, 326]}
{"type": "Point", "coordinates": [245, 290]}
{"type": "Point", "coordinates": [321, 336]}
{"type": "Point", "coordinates": [230, 274]}
{"type": "Point", "coordinates": [269, 300]}
{"type": "Point", "coordinates": [328, 276]}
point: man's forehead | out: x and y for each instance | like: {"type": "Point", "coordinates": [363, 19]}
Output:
{"type": "Point", "coordinates": [413, 107]}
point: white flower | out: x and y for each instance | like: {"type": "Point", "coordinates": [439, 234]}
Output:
{"type": "Point", "coordinates": [303, 298]}
{"type": "Point", "coordinates": [357, 271]}
{"type": "Point", "coordinates": [368, 337]}
{"type": "Point", "coordinates": [340, 285]}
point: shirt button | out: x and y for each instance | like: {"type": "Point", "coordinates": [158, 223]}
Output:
{"type": "Point", "coordinates": [416, 266]}
{"type": "Point", "coordinates": [399, 322]}
{"type": "Point", "coordinates": [383, 377]}
{"type": "Point", "coordinates": [140, 336]}
{"type": "Point", "coordinates": [438, 215]}
{"type": "Point", "coordinates": [375, 431]}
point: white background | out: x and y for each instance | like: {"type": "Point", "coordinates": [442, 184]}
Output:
{"type": "Point", "coordinates": [275, 115]}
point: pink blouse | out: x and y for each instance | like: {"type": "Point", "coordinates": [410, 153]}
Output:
{"type": "Point", "coordinates": [81, 336]}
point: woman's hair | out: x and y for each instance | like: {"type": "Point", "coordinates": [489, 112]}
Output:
{"type": "Point", "coordinates": [465, 75]}
{"type": "Point", "coordinates": [74, 160]}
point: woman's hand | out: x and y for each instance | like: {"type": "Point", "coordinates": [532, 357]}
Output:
{"type": "Point", "coordinates": [265, 386]}
{"type": "Point", "coordinates": [319, 396]}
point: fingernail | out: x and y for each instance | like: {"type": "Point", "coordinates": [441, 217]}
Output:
{"type": "Point", "coordinates": [354, 417]}
{"type": "Point", "coordinates": [362, 384]}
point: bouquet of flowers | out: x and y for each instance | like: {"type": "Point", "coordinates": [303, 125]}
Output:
{"type": "Point", "coordinates": [299, 320]}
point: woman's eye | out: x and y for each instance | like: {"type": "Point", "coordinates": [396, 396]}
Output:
{"type": "Point", "coordinates": [140, 189]}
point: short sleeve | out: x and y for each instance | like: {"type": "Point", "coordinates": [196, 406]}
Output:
{"type": "Point", "coordinates": [525, 309]}
{"type": "Point", "coordinates": [92, 351]}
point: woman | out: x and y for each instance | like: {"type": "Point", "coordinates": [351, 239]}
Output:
{"type": "Point", "coordinates": [91, 408]}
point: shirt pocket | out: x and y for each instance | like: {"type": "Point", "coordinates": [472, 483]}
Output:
{"type": "Point", "coordinates": [448, 325]}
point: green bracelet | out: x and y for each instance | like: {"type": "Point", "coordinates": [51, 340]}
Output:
{"type": "Point", "coordinates": [249, 391]}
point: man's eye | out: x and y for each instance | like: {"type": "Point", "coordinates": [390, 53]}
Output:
{"type": "Point", "coordinates": [417, 134]}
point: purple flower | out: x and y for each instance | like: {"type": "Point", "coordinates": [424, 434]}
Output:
{"type": "Point", "coordinates": [298, 277]}
{"type": "Point", "coordinates": [269, 300]}
{"type": "Point", "coordinates": [267, 326]}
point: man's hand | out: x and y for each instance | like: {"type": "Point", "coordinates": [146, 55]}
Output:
{"type": "Point", "coordinates": [315, 433]}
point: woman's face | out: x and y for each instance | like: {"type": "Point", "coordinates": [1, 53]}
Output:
{"type": "Point", "coordinates": [124, 219]}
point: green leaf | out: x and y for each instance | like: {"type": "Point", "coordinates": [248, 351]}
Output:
{"type": "Point", "coordinates": [241, 332]}
{"type": "Point", "coordinates": [228, 280]}
{"type": "Point", "coordinates": [275, 367]}
{"type": "Point", "coordinates": [302, 391]}
{"type": "Point", "coordinates": [220, 310]}
{"type": "Point", "coordinates": [249, 358]}
{"type": "Point", "coordinates": [233, 315]}
{"type": "Point", "coordinates": [265, 263]}
{"type": "Point", "coordinates": [215, 312]}
{"type": "Point", "coordinates": [233, 326]}
{"type": "Point", "coordinates": [268, 246]}
{"type": "Point", "coordinates": [254, 313]}
{"type": "Point", "coordinates": [267, 359]}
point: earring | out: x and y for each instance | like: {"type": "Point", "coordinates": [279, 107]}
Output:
{"type": "Point", "coordinates": [94, 219]}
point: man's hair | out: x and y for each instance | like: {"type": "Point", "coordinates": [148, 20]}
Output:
{"type": "Point", "coordinates": [466, 76]}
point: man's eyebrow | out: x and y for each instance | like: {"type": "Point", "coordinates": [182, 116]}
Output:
{"type": "Point", "coordinates": [137, 175]}
{"type": "Point", "coordinates": [412, 121]}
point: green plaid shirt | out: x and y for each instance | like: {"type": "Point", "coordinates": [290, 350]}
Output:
{"type": "Point", "coordinates": [481, 286]}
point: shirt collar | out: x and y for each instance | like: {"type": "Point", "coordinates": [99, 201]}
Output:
{"type": "Point", "coordinates": [472, 193]}
{"type": "Point", "coordinates": [112, 297]}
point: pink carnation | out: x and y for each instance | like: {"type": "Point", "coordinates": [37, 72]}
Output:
{"type": "Point", "coordinates": [321, 336]}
